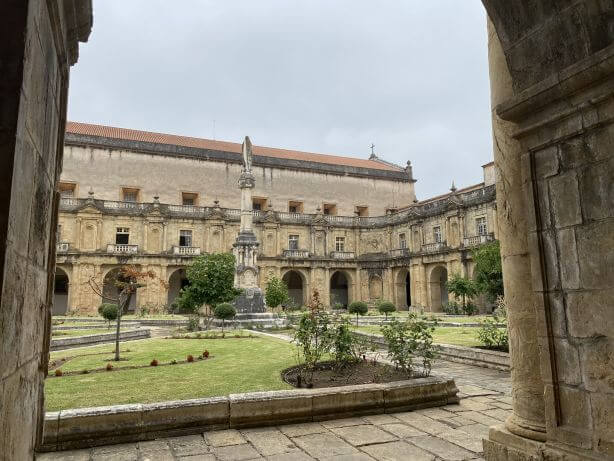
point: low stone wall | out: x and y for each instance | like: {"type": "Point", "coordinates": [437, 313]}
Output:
{"type": "Point", "coordinates": [88, 340]}
{"type": "Point", "coordinates": [87, 427]}
{"type": "Point", "coordinates": [381, 320]}
{"type": "Point", "coordinates": [140, 321]}
{"type": "Point", "coordinates": [94, 326]}
{"type": "Point", "coordinates": [469, 355]}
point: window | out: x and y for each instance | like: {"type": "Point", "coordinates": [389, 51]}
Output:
{"type": "Point", "coordinates": [402, 241]}
{"type": "Point", "coordinates": [330, 208]}
{"type": "Point", "coordinates": [339, 243]}
{"type": "Point", "coordinates": [122, 236]}
{"type": "Point", "coordinates": [437, 234]}
{"type": "Point", "coordinates": [362, 211]}
{"type": "Point", "coordinates": [259, 203]}
{"type": "Point", "coordinates": [185, 238]}
{"type": "Point", "coordinates": [295, 207]}
{"type": "Point", "coordinates": [481, 226]}
{"type": "Point", "coordinates": [293, 242]}
{"type": "Point", "coordinates": [67, 189]}
{"type": "Point", "coordinates": [130, 195]}
{"type": "Point", "coordinates": [189, 198]}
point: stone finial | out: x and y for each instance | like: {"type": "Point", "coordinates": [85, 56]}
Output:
{"type": "Point", "coordinates": [216, 203]}
{"type": "Point", "coordinates": [156, 199]}
{"type": "Point", "coordinates": [90, 195]}
{"type": "Point", "coordinates": [372, 156]}
{"type": "Point", "coordinates": [453, 188]}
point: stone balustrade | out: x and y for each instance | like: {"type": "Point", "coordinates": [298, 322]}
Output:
{"type": "Point", "coordinates": [343, 255]}
{"type": "Point", "coordinates": [118, 248]}
{"type": "Point", "coordinates": [62, 247]}
{"type": "Point", "coordinates": [399, 253]}
{"type": "Point", "coordinates": [478, 240]}
{"type": "Point", "coordinates": [433, 247]}
{"type": "Point", "coordinates": [301, 254]}
{"type": "Point", "coordinates": [185, 251]}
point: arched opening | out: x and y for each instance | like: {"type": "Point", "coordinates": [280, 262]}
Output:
{"type": "Point", "coordinates": [376, 287]}
{"type": "Point", "coordinates": [403, 290]}
{"type": "Point", "coordinates": [176, 282]}
{"type": "Point", "coordinates": [339, 292]}
{"type": "Point", "coordinates": [439, 290]}
{"type": "Point", "coordinates": [294, 282]}
{"type": "Point", "coordinates": [111, 290]}
{"type": "Point", "coordinates": [60, 293]}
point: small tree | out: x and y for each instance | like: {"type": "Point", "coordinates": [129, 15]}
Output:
{"type": "Point", "coordinates": [224, 311]}
{"type": "Point", "coordinates": [488, 272]}
{"type": "Point", "coordinates": [358, 308]}
{"type": "Point", "coordinates": [386, 307]}
{"type": "Point", "coordinates": [463, 287]}
{"type": "Point", "coordinates": [108, 312]}
{"type": "Point", "coordinates": [276, 292]}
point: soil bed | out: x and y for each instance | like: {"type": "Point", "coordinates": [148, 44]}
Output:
{"type": "Point", "coordinates": [328, 375]}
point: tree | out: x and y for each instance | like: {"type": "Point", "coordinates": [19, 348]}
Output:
{"type": "Point", "coordinates": [224, 311]}
{"type": "Point", "coordinates": [488, 273]}
{"type": "Point", "coordinates": [127, 280]}
{"type": "Point", "coordinates": [108, 312]}
{"type": "Point", "coordinates": [386, 307]}
{"type": "Point", "coordinates": [463, 287]}
{"type": "Point", "coordinates": [211, 278]}
{"type": "Point", "coordinates": [276, 292]}
{"type": "Point", "coordinates": [358, 308]}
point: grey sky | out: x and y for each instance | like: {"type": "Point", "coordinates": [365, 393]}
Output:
{"type": "Point", "coordinates": [323, 76]}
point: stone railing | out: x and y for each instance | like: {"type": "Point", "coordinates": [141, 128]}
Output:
{"type": "Point", "coordinates": [187, 209]}
{"type": "Point", "coordinates": [478, 240]}
{"type": "Point", "coordinates": [343, 255]}
{"type": "Point", "coordinates": [399, 253]}
{"type": "Point", "coordinates": [301, 254]}
{"type": "Point", "coordinates": [433, 247]}
{"type": "Point", "coordinates": [186, 251]}
{"type": "Point", "coordinates": [111, 204]}
{"type": "Point", "coordinates": [119, 248]}
{"type": "Point", "coordinates": [62, 247]}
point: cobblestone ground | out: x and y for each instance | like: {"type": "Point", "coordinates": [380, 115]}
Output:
{"type": "Point", "coordinates": [452, 432]}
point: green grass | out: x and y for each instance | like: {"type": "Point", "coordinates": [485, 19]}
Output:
{"type": "Point", "coordinates": [237, 365]}
{"type": "Point", "coordinates": [455, 319]}
{"type": "Point", "coordinates": [84, 332]}
{"type": "Point", "coordinates": [443, 335]}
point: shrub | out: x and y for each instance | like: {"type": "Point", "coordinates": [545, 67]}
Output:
{"type": "Point", "coordinates": [386, 307]}
{"type": "Point", "coordinates": [109, 367]}
{"type": "Point", "coordinates": [470, 309]}
{"type": "Point", "coordinates": [153, 363]}
{"type": "Point", "coordinates": [58, 372]}
{"type": "Point", "coordinates": [190, 358]}
{"type": "Point", "coordinates": [206, 354]}
{"type": "Point", "coordinates": [463, 287]}
{"type": "Point", "coordinates": [358, 308]}
{"type": "Point", "coordinates": [173, 362]}
{"type": "Point", "coordinates": [452, 308]}
{"type": "Point", "coordinates": [501, 308]}
{"type": "Point", "coordinates": [193, 323]}
{"type": "Point", "coordinates": [342, 344]}
{"type": "Point", "coordinates": [108, 312]}
{"type": "Point", "coordinates": [224, 311]}
{"type": "Point", "coordinates": [493, 336]}
{"type": "Point", "coordinates": [276, 292]}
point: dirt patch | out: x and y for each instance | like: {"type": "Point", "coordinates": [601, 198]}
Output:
{"type": "Point", "coordinates": [327, 374]}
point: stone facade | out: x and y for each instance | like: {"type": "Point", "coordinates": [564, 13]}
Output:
{"type": "Point", "coordinates": [409, 251]}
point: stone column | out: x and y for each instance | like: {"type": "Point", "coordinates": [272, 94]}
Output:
{"type": "Point", "coordinates": [527, 419]}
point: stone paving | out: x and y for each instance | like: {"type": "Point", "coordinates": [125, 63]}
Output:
{"type": "Point", "coordinates": [452, 432]}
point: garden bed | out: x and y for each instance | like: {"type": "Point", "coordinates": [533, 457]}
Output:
{"type": "Point", "coordinates": [327, 374]}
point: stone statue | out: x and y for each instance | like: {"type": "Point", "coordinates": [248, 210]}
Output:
{"type": "Point", "coordinates": [247, 155]}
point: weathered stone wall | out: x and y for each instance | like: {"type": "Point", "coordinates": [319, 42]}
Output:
{"type": "Point", "coordinates": [36, 48]}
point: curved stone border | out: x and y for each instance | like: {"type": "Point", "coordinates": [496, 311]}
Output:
{"type": "Point", "coordinates": [88, 340]}
{"type": "Point", "coordinates": [143, 321]}
{"type": "Point", "coordinates": [94, 326]}
{"type": "Point", "coordinates": [87, 427]}
{"type": "Point", "coordinates": [470, 355]}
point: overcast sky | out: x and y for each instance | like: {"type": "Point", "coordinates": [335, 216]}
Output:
{"type": "Point", "coordinates": [324, 76]}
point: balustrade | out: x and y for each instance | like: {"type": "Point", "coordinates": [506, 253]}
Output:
{"type": "Point", "coordinates": [122, 248]}
{"type": "Point", "coordinates": [302, 254]}
{"type": "Point", "coordinates": [186, 251]}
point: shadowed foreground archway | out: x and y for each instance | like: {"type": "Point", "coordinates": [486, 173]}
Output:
{"type": "Point", "coordinates": [339, 289]}
{"type": "Point", "coordinates": [61, 294]}
{"type": "Point", "coordinates": [176, 282]}
{"type": "Point", "coordinates": [403, 289]}
{"type": "Point", "coordinates": [438, 288]}
{"type": "Point", "coordinates": [296, 292]}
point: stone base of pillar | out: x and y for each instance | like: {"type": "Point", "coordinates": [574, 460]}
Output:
{"type": "Point", "coordinates": [251, 301]}
{"type": "Point", "coordinates": [502, 445]}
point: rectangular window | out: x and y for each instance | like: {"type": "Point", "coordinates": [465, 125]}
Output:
{"type": "Point", "coordinates": [437, 234]}
{"type": "Point", "coordinates": [130, 194]}
{"type": "Point", "coordinates": [185, 238]}
{"type": "Point", "coordinates": [329, 208]}
{"type": "Point", "coordinates": [189, 198]}
{"type": "Point", "coordinates": [339, 243]}
{"type": "Point", "coordinates": [295, 207]}
{"type": "Point", "coordinates": [122, 236]}
{"type": "Point", "coordinates": [362, 211]}
{"type": "Point", "coordinates": [402, 241]}
{"type": "Point", "coordinates": [67, 189]}
{"type": "Point", "coordinates": [259, 203]}
{"type": "Point", "coordinates": [293, 242]}
{"type": "Point", "coordinates": [481, 226]}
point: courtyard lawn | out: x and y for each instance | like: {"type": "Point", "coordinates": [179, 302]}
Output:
{"type": "Point", "coordinates": [443, 335]}
{"type": "Point", "coordinates": [84, 332]}
{"type": "Point", "coordinates": [235, 365]}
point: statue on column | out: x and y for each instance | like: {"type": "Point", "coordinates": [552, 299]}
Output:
{"type": "Point", "coordinates": [246, 245]}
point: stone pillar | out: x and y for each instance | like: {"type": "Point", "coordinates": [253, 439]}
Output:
{"type": "Point", "coordinates": [527, 419]}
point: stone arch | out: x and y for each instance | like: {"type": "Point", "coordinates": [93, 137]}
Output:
{"type": "Point", "coordinates": [297, 284]}
{"type": "Point", "coordinates": [403, 289]}
{"type": "Point", "coordinates": [177, 280]}
{"type": "Point", "coordinates": [112, 291]}
{"type": "Point", "coordinates": [376, 287]}
{"type": "Point", "coordinates": [438, 288]}
{"type": "Point", "coordinates": [61, 292]}
{"type": "Point", "coordinates": [340, 284]}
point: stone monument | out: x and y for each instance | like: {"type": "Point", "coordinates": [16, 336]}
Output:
{"type": "Point", "coordinates": [246, 246]}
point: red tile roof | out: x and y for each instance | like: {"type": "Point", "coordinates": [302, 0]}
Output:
{"type": "Point", "coordinates": [200, 143]}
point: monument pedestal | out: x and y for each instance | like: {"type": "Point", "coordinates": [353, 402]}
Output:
{"type": "Point", "coordinates": [251, 301]}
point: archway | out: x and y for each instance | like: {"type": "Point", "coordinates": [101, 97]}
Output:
{"type": "Point", "coordinates": [403, 289]}
{"type": "Point", "coordinates": [111, 290]}
{"type": "Point", "coordinates": [60, 292]}
{"type": "Point", "coordinates": [439, 290]}
{"type": "Point", "coordinates": [339, 289]}
{"type": "Point", "coordinates": [294, 282]}
{"type": "Point", "coordinates": [176, 282]}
